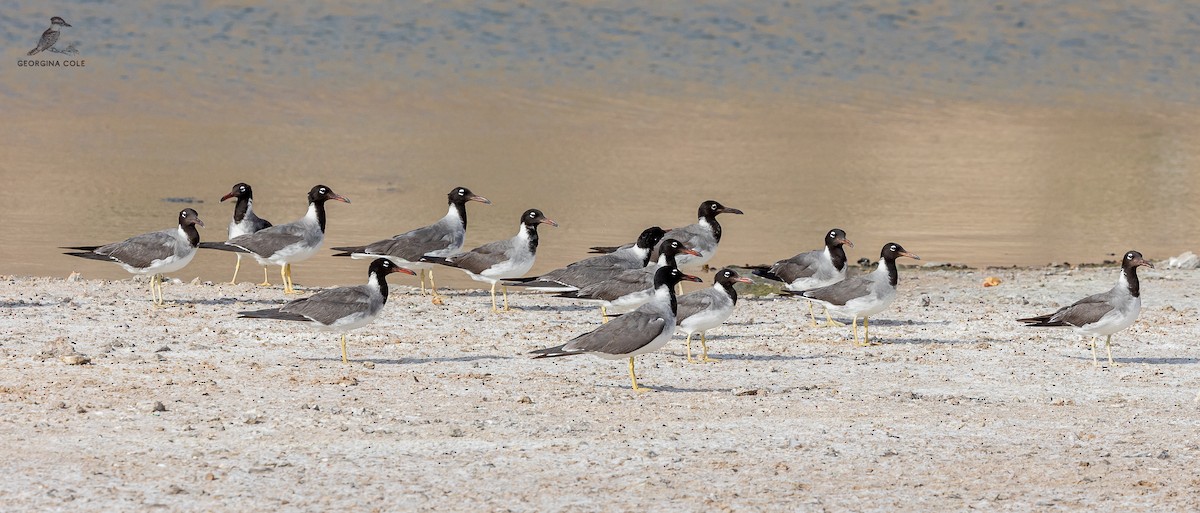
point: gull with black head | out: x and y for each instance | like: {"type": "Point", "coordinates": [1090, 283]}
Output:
{"type": "Point", "coordinates": [706, 309]}
{"type": "Point", "coordinates": [641, 331]}
{"type": "Point", "coordinates": [440, 239]}
{"type": "Point", "coordinates": [630, 289]}
{"type": "Point", "coordinates": [244, 221]}
{"type": "Point", "coordinates": [340, 309]}
{"type": "Point", "coordinates": [153, 253]}
{"type": "Point", "coordinates": [595, 269]}
{"type": "Point", "coordinates": [813, 269]}
{"type": "Point", "coordinates": [703, 236]}
{"type": "Point", "coordinates": [495, 261]}
{"type": "Point", "coordinates": [862, 296]}
{"type": "Point", "coordinates": [1103, 314]}
{"type": "Point", "coordinates": [286, 244]}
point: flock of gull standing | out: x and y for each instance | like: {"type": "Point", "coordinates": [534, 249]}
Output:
{"type": "Point", "coordinates": [634, 283]}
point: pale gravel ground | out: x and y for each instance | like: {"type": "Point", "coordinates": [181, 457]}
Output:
{"type": "Point", "coordinates": [961, 408]}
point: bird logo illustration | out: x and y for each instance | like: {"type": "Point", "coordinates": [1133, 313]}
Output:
{"type": "Point", "coordinates": [50, 36]}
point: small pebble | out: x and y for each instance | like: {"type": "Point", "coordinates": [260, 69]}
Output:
{"type": "Point", "coordinates": [75, 359]}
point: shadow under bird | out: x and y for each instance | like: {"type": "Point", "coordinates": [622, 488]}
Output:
{"type": "Point", "coordinates": [703, 236]}
{"type": "Point", "coordinates": [813, 269]}
{"type": "Point", "coordinates": [286, 244]}
{"type": "Point", "coordinates": [245, 221]}
{"type": "Point", "coordinates": [862, 296]}
{"type": "Point", "coordinates": [441, 239]}
{"type": "Point", "coordinates": [151, 253]}
{"type": "Point", "coordinates": [630, 289]}
{"type": "Point", "coordinates": [641, 331]}
{"type": "Point", "coordinates": [595, 269]}
{"type": "Point", "coordinates": [495, 261]}
{"type": "Point", "coordinates": [706, 309]}
{"type": "Point", "coordinates": [339, 309]}
{"type": "Point", "coordinates": [1103, 314]}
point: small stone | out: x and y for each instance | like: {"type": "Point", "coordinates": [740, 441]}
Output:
{"type": "Point", "coordinates": [525, 400]}
{"type": "Point", "coordinates": [991, 281]}
{"type": "Point", "coordinates": [80, 409]}
{"type": "Point", "coordinates": [437, 300]}
{"type": "Point", "coordinates": [175, 490]}
{"type": "Point", "coordinates": [252, 417]}
{"type": "Point", "coordinates": [162, 349]}
{"type": "Point", "coordinates": [743, 393]}
{"type": "Point", "coordinates": [1186, 260]}
{"type": "Point", "coordinates": [158, 406]}
{"type": "Point", "coordinates": [74, 276]}
{"type": "Point", "coordinates": [456, 433]}
{"type": "Point", "coordinates": [369, 365]}
{"type": "Point", "coordinates": [210, 477]}
{"type": "Point", "coordinates": [75, 359]}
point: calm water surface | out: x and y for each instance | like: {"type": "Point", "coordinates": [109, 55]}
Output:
{"type": "Point", "coordinates": [1016, 133]}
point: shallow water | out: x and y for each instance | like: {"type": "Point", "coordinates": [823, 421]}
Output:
{"type": "Point", "coordinates": [1021, 134]}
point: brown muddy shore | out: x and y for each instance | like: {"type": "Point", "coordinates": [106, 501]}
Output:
{"type": "Point", "coordinates": [188, 408]}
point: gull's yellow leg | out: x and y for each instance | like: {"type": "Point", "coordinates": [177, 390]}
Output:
{"type": "Point", "coordinates": [423, 281]}
{"type": "Point", "coordinates": [1095, 362]}
{"type": "Point", "coordinates": [266, 282]}
{"type": "Point", "coordinates": [633, 376]}
{"type": "Point", "coordinates": [812, 317]}
{"type": "Point", "coordinates": [854, 324]}
{"type": "Point", "coordinates": [344, 359]}
{"type": "Point", "coordinates": [689, 348]}
{"type": "Point", "coordinates": [867, 333]}
{"type": "Point", "coordinates": [704, 347]}
{"type": "Point", "coordinates": [153, 291]}
{"type": "Point", "coordinates": [830, 322]}
{"type": "Point", "coordinates": [432, 286]}
{"type": "Point", "coordinates": [291, 286]}
{"type": "Point", "coordinates": [1108, 346]}
{"type": "Point", "coordinates": [505, 287]}
{"type": "Point", "coordinates": [236, 268]}
{"type": "Point", "coordinates": [283, 276]}
{"type": "Point", "coordinates": [603, 315]}
{"type": "Point", "coordinates": [494, 310]}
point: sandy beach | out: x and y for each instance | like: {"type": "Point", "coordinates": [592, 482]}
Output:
{"type": "Point", "coordinates": [188, 408]}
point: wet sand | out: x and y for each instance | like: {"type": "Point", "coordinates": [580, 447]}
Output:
{"type": "Point", "coordinates": [440, 408]}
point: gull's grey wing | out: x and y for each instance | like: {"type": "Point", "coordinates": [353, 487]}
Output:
{"type": "Point", "coordinates": [693, 236]}
{"type": "Point", "coordinates": [587, 271]}
{"type": "Point", "coordinates": [327, 306]}
{"type": "Point", "coordinates": [141, 250]}
{"type": "Point", "coordinates": [627, 282]}
{"type": "Point", "coordinates": [799, 266]}
{"type": "Point", "coordinates": [483, 257]}
{"type": "Point", "coordinates": [694, 303]}
{"type": "Point", "coordinates": [1085, 311]}
{"type": "Point", "coordinates": [622, 335]}
{"type": "Point", "coordinates": [841, 292]}
{"type": "Point", "coordinates": [267, 241]}
{"type": "Point", "coordinates": [412, 245]}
